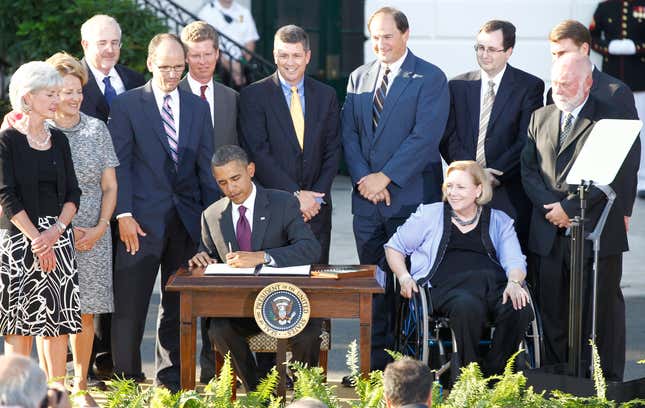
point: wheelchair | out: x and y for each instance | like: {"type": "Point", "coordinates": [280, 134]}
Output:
{"type": "Point", "coordinates": [428, 338]}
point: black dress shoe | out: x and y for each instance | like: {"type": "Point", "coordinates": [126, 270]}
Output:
{"type": "Point", "coordinates": [641, 193]}
{"type": "Point", "coordinates": [98, 384]}
{"type": "Point", "coordinates": [103, 366]}
{"type": "Point", "coordinates": [347, 381]}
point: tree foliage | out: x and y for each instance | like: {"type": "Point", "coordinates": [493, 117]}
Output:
{"type": "Point", "coordinates": [36, 29]}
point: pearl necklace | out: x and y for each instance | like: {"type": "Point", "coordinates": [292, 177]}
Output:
{"type": "Point", "coordinates": [44, 143]}
{"type": "Point", "coordinates": [465, 223]}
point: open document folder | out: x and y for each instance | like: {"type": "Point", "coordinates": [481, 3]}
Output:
{"type": "Point", "coordinates": [261, 270]}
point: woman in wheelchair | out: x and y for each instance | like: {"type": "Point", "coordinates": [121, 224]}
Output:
{"type": "Point", "coordinates": [469, 257]}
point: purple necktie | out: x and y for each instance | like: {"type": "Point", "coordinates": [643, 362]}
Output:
{"type": "Point", "coordinates": [243, 231]}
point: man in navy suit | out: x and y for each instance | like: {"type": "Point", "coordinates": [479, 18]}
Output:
{"type": "Point", "coordinates": [392, 122]}
{"type": "Point", "coordinates": [489, 113]}
{"type": "Point", "coordinates": [101, 42]}
{"type": "Point", "coordinates": [163, 138]}
{"type": "Point", "coordinates": [289, 126]}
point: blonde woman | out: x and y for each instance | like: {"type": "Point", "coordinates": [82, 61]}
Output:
{"type": "Point", "coordinates": [469, 258]}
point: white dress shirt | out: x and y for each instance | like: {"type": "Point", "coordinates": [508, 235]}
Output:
{"type": "Point", "coordinates": [115, 79]}
{"type": "Point", "coordinates": [484, 88]}
{"type": "Point", "coordinates": [174, 104]}
{"type": "Point", "coordinates": [249, 203]}
{"type": "Point", "coordinates": [395, 67]}
{"type": "Point", "coordinates": [195, 87]}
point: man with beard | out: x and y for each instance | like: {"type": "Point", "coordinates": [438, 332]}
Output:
{"type": "Point", "coordinates": [556, 134]}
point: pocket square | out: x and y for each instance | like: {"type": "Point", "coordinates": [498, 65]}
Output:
{"type": "Point", "coordinates": [263, 218]}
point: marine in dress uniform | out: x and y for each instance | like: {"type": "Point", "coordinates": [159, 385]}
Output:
{"type": "Point", "coordinates": [618, 34]}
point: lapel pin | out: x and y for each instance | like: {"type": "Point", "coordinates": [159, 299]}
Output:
{"type": "Point", "coordinates": [262, 218]}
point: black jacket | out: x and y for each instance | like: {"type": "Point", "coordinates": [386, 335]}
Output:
{"type": "Point", "coordinates": [19, 176]}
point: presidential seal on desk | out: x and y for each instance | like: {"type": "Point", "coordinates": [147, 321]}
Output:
{"type": "Point", "coordinates": [281, 310]}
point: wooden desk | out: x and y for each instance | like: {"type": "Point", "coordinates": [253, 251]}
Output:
{"type": "Point", "coordinates": [233, 296]}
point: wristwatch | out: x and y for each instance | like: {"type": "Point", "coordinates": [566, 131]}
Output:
{"type": "Point", "coordinates": [267, 258]}
{"type": "Point", "coordinates": [517, 282]}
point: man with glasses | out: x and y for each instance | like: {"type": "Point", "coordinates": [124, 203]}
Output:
{"type": "Point", "coordinates": [163, 137]}
{"type": "Point", "coordinates": [489, 114]}
{"type": "Point", "coordinates": [101, 42]}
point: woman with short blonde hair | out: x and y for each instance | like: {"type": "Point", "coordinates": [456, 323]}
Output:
{"type": "Point", "coordinates": [467, 256]}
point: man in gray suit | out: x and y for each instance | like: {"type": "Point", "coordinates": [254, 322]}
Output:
{"type": "Point", "coordinates": [261, 226]}
{"type": "Point", "coordinates": [202, 52]}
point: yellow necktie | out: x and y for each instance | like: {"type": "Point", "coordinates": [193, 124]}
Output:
{"type": "Point", "coordinates": [297, 116]}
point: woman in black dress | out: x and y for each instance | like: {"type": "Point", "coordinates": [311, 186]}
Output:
{"type": "Point", "coordinates": [39, 196]}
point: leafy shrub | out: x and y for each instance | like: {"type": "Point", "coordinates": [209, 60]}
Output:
{"type": "Point", "coordinates": [36, 29]}
{"type": "Point", "coordinates": [472, 389]}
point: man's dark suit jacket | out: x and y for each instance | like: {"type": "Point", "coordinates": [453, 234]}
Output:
{"type": "Point", "coordinates": [150, 186]}
{"type": "Point", "coordinates": [519, 94]}
{"type": "Point", "coordinates": [94, 103]}
{"type": "Point", "coordinates": [226, 103]}
{"type": "Point", "coordinates": [268, 135]}
{"type": "Point", "coordinates": [616, 93]}
{"type": "Point", "coordinates": [278, 229]}
{"type": "Point", "coordinates": [545, 168]}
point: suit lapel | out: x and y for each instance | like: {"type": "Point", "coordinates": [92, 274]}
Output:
{"type": "Point", "coordinates": [504, 91]}
{"type": "Point", "coordinates": [260, 218]}
{"type": "Point", "coordinates": [185, 121]}
{"type": "Point", "coordinates": [400, 82]}
{"type": "Point", "coordinates": [368, 88]}
{"type": "Point", "coordinates": [311, 116]}
{"type": "Point", "coordinates": [153, 116]}
{"type": "Point", "coordinates": [473, 96]}
{"type": "Point", "coordinates": [227, 231]}
{"type": "Point", "coordinates": [580, 127]}
{"type": "Point", "coordinates": [94, 90]}
{"type": "Point", "coordinates": [281, 110]}
{"type": "Point", "coordinates": [595, 78]}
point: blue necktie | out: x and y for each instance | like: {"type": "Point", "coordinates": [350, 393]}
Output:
{"type": "Point", "coordinates": [110, 92]}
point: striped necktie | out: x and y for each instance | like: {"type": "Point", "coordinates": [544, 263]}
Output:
{"type": "Point", "coordinates": [379, 99]}
{"type": "Point", "coordinates": [566, 129]}
{"type": "Point", "coordinates": [484, 116]}
{"type": "Point", "coordinates": [169, 126]}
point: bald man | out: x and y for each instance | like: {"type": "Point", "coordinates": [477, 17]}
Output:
{"type": "Point", "coordinates": [556, 134]}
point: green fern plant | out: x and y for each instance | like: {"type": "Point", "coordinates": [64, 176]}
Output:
{"type": "Point", "coordinates": [263, 394]}
{"type": "Point", "coordinates": [369, 390]}
{"type": "Point", "coordinates": [310, 382]}
{"type": "Point", "coordinates": [127, 394]}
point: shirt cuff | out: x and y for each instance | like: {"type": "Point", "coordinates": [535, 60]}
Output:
{"type": "Point", "coordinates": [126, 214]}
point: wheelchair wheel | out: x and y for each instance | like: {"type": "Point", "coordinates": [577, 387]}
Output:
{"type": "Point", "coordinates": [532, 342]}
{"type": "Point", "coordinates": [412, 330]}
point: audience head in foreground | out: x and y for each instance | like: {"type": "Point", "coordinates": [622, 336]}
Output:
{"type": "Point", "coordinates": [407, 382]}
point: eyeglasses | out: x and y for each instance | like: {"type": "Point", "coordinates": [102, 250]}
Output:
{"type": "Point", "coordinates": [480, 49]}
{"type": "Point", "coordinates": [167, 68]}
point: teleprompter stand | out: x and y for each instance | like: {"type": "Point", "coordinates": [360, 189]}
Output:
{"type": "Point", "coordinates": [608, 144]}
